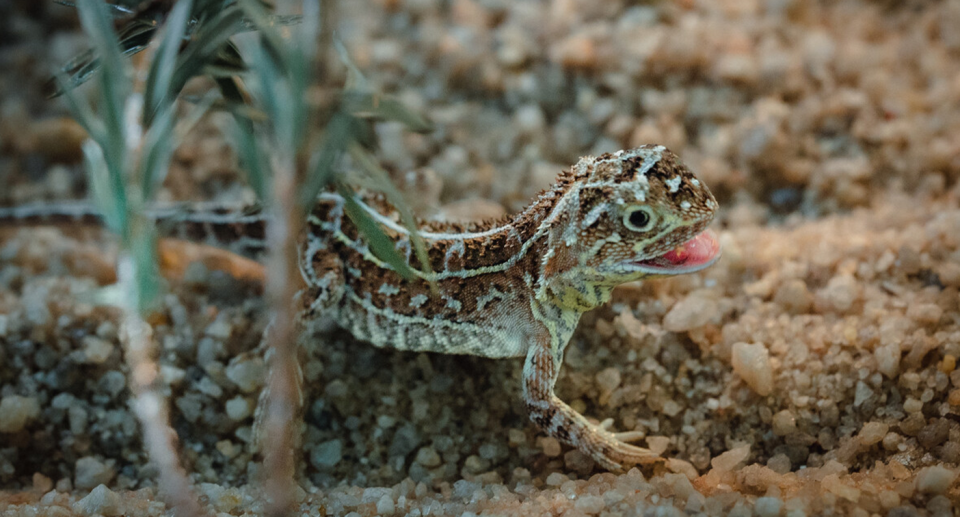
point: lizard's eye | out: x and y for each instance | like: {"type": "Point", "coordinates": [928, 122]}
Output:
{"type": "Point", "coordinates": [639, 219]}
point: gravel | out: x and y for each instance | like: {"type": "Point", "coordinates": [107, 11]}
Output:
{"type": "Point", "coordinates": [812, 371]}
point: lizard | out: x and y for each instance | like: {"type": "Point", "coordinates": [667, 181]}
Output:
{"type": "Point", "coordinates": [509, 288]}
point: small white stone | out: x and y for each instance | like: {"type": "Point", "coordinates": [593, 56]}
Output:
{"type": "Point", "coordinates": [171, 375]}
{"type": "Point", "coordinates": [220, 328]}
{"type": "Point", "coordinates": [385, 505]}
{"type": "Point", "coordinates": [690, 313]}
{"type": "Point", "coordinates": [428, 457]}
{"type": "Point", "coordinates": [888, 359]}
{"type": "Point", "coordinates": [96, 350]}
{"type": "Point", "coordinates": [841, 292]}
{"type": "Point", "coordinates": [100, 501]}
{"type": "Point", "coordinates": [730, 459]}
{"type": "Point", "coordinates": [752, 364]}
{"type": "Point", "coordinates": [90, 472]}
{"type": "Point", "coordinates": [590, 504]}
{"type": "Point", "coordinates": [238, 408]}
{"type": "Point", "coordinates": [16, 412]}
{"type": "Point", "coordinates": [609, 379]}
{"type": "Point", "coordinates": [222, 499]}
{"type": "Point", "coordinates": [912, 405]}
{"type": "Point", "coordinates": [767, 506]}
{"type": "Point", "coordinates": [556, 479]}
{"type": "Point", "coordinates": [247, 374]}
{"type": "Point", "coordinates": [935, 479]}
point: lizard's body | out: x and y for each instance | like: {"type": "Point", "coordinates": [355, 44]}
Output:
{"type": "Point", "coordinates": [510, 288]}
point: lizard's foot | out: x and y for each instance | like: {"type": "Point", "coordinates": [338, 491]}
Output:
{"type": "Point", "coordinates": [612, 452]}
{"type": "Point", "coordinates": [608, 449]}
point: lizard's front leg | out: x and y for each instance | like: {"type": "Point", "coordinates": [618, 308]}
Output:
{"type": "Point", "coordinates": [560, 421]}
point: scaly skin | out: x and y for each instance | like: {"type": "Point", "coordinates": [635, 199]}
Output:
{"type": "Point", "coordinates": [517, 288]}
{"type": "Point", "coordinates": [510, 288]}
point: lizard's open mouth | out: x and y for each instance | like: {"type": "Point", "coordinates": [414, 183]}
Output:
{"type": "Point", "coordinates": [693, 255]}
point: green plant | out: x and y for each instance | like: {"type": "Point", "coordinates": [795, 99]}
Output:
{"type": "Point", "coordinates": [290, 153]}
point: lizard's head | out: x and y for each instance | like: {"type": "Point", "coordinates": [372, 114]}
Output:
{"type": "Point", "coordinates": [630, 215]}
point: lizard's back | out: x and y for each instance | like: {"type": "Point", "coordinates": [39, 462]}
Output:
{"type": "Point", "coordinates": [482, 273]}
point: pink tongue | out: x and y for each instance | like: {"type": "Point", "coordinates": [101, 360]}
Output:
{"type": "Point", "coordinates": [698, 250]}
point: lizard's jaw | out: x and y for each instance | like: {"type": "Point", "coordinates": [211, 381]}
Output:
{"type": "Point", "coordinates": [698, 253]}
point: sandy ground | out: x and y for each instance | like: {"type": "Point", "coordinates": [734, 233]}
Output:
{"type": "Point", "coordinates": [812, 370]}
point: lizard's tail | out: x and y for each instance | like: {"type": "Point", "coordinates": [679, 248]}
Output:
{"type": "Point", "coordinates": [237, 231]}
{"type": "Point", "coordinates": [69, 213]}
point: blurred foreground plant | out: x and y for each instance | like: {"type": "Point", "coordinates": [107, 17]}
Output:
{"type": "Point", "coordinates": [295, 149]}
{"type": "Point", "coordinates": [288, 163]}
{"type": "Point", "coordinates": [130, 146]}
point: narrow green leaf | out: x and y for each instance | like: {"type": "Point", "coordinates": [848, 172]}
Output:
{"type": "Point", "coordinates": [111, 206]}
{"type": "Point", "coordinates": [380, 245]}
{"type": "Point", "coordinates": [384, 107]}
{"type": "Point", "coordinates": [161, 70]}
{"type": "Point", "coordinates": [114, 83]}
{"type": "Point", "coordinates": [265, 25]}
{"type": "Point", "coordinates": [339, 133]}
{"type": "Point", "coordinates": [253, 160]}
{"type": "Point", "coordinates": [158, 148]}
{"type": "Point", "coordinates": [83, 112]}
{"type": "Point", "coordinates": [355, 79]}
{"type": "Point", "coordinates": [204, 45]}
{"type": "Point", "coordinates": [396, 199]}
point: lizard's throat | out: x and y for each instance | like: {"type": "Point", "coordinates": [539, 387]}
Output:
{"type": "Point", "coordinates": [697, 253]}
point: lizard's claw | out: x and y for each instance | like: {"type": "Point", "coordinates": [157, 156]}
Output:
{"type": "Point", "coordinates": [612, 451]}
{"type": "Point", "coordinates": [626, 436]}
{"type": "Point", "coordinates": [617, 456]}
{"type": "Point", "coordinates": [630, 436]}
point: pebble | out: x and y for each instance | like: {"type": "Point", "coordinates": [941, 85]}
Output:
{"type": "Point", "coordinates": [89, 472]}
{"type": "Point", "coordinates": [577, 51]}
{"type": "Point", "coordinates": [608, 379]}
{"type": "Point", "coordinates": [96, 350]}
{"type": "Point", "coordinates": [779, 463]}
{"type": "Point", "coordinates": [17, 412]}
{"type": "Point", "coordinates": [100, 501]}
{"type": "Point", "coordinates": [924, 313]}
{"type": "Point", "coordinates": [247, 374]}
{"type": "Point", "coordinates": [222, 499]}
{"type": "Point", "coordinates": [239, 408]}
{"type": "Point", "coordinates": [752, 364]}
{"type": "Point", "coordinates": [872, 432]}
{"type": "Point", "coordinates": [112, 383]}
{"type": "Point", "coordinates": [831, 483]}
{"type": "Point", "coordinates": [550, 446]}
{"type": "Point", "coordinates": [59, 139]}
{"type": "Point", "coordinates": [729, 460]}
{"type": "Point", "coordinates": [428, 457]}
{"type": "Point", "coordinates": [385, 505]}
{"type": "Point", "coordinates": [690, 313]}
{"type": "Point", "coordinates": [794, 296]}
{"type": "Point", "coordinates": [888, 359]}
{"type": "Point", "coordinates": [934, 479]}
{"type": "Point", "coordinates": [590, 504]}
{"type": "Point", "coordinates": [912, 405]}
{"type": "Point", "coordinates": [556, 479]}
{"type": "Point", "coordinates": [840, 293]}
{"type": "Point", "coordinates": [767, 506]}
{"type": "Point", "coordinates": [784, 423]}
{"type": "Point", "coordinates": [327, 454]}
